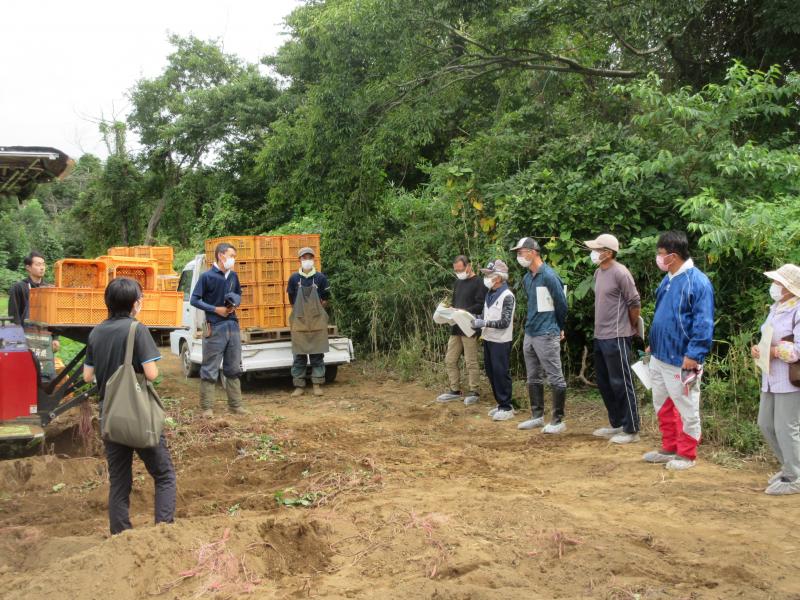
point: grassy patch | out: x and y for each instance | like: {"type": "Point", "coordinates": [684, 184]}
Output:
{"type": "Point", "coordinates": [3, 305]}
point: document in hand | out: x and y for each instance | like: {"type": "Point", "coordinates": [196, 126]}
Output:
{"type": "Point", "coordinates": [764, 347]}
{"type": "Point", "coordinates": [447, 315]}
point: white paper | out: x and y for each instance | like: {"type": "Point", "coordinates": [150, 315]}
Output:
{"type": "Point", "coordinates": [544, 301]}
{"type": "Point", "coordinates": [447, 315]}
{"type": "Point", "coordinates": [643, 373]}
{"type": "Point", "coordinates": [764, 348]}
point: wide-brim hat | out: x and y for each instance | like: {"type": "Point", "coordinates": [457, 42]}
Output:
{"type": "Point", "coordinates": [788, 276]}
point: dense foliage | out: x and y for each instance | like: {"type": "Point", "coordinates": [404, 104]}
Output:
{"type": "Point", "coordinates": [410, 131]}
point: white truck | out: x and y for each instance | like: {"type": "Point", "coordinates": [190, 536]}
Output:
{"type": "Point", "coordinates": [265, 357]}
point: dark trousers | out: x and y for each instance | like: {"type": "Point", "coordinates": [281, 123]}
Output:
{"type": "Point", "coordinates": [496, 359]}
{"type": "Point", "coordinates": [300, 368]}
{"type": "Point", "coordinates": [158, 463]}
{"type": "Point", "coordinates": [612, 363]}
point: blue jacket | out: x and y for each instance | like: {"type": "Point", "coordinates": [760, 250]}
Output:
{"type": "Point", "coordinates": [210, 291]}
{"type": "Point", "coordinates": [683, 324]}
{"type": "Point", "coordinates": [542, 323]}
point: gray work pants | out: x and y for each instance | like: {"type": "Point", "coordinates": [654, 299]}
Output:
{"type": "Point", "coordinates": [224, 345]}
{"type": "Point", "coordinates": [779, 421]}
{"type": "Point", "coordinates": [543, 360]}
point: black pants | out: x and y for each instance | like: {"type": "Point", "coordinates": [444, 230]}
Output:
{"type": "Point", "coordinates": [496, 359]}
{"type": "Point", "coordinates": [612, 362]}
{"type": "Point", "coordinates": [158, 463]}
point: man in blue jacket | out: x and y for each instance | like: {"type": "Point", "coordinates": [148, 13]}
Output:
{"type": "Point", "coordinates": [219, 293]}
{"type": "Point", "coordinates": [680, 340]}
{"type": "Point", "coordinates": [544, 330]}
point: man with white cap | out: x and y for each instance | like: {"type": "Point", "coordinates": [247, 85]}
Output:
{"type": "Point", "coordinates": [308, 291]}
{"type": "Point", "coordinates": [497, 323]}
{"type": "Point", "coordinates": [616, 319]}
{"type": "Point", "coordinates": [544, 330]}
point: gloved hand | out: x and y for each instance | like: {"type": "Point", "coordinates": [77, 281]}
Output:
{"type": "Point", "coordinates": [479, 323]}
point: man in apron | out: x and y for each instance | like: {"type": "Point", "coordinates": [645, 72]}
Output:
{"type": "Point", "coordinates": [308, 292]}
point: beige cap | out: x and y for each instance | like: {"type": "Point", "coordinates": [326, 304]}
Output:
{"type": "Point", "coordinates": [605, 241]}
{"type": "Point", "coordinates": [306, 250]}
{"type": "Point", "coordinates": [788, 276]}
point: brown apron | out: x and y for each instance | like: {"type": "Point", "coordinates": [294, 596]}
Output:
{"type": "Point", "coordinates": [309, 323]}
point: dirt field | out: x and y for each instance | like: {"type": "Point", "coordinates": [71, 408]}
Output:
{"type": "Point", "coordinates": [408, 499]}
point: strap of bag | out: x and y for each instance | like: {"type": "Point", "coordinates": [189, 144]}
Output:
{"type": "Point", "coordinates": [131, 339]}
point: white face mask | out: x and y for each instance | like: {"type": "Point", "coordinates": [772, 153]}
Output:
{"type": "Point", "coordinates": [595, 257]}
{"type": "Point", "coordinates": [488, 282]}
{"type": "Point", "coordinates": [307, 264]}
{"type": "Point", "coordinates": [462, 276]}
{"type": "Point", "coordinates": [524, 262]}
{"type": "Point", "coordinates": [228, 263]}
{"type": "Point", "coordinates": [776, 292]}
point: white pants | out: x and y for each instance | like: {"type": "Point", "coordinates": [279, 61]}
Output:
{"type": "Point", "coordinates": [678, 409]}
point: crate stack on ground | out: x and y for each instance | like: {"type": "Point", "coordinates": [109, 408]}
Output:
{"type": "Point", "coordinates": [264, 264]}
{"type": "Point", "coordinates": [79, 292]}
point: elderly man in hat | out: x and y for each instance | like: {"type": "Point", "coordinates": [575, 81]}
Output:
{"type": "Point", "coordinates": [544, 330]}
{"type": "Point", "coordinates": [497, 323]}
{"type": "Point", "coordinates": [309, 292]}
{"type": "Point", "coordinates": [616, 320]}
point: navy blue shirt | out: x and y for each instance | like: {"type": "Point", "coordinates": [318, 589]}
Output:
{"type": "Point", "coordinates": [298, 279]}
{"type": "Point", "coordinates": [210, 291]}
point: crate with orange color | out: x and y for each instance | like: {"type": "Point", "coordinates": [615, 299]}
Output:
{"type": "Point", "coordinates": [162, 309]}
{"type": "Point", "coordinates": [258, 271]}
{"type": "Point", "coordinates": [262, 294]}
{"type": "Point", "coordinates": [68, 306]}
{"type": "Point", "coordinates": [263, 317]}
{"type": "Point", "coordinates": [119, 251]}
{"type": "Point", "coordinates": [81, 273]}
{"type": "Point", "coordinates": [272, 316]}
{"type": "Point", "coordinates": [145, 275]}
{"type": "Point", "coordinates": [248, 247]}
{"type": "Point", "coordinates": [292, 244]}
{"type": "Point", "coordinates": [167, 283]}
{"type": "Point", "coordinates": [293, 266]}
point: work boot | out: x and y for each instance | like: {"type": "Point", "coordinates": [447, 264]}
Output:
{"type": "Point", "coordinates": [238, 410]}
{"type": "Point", "coordinates": [318, 389]}
{"type": "Point", "coordinates": [298, 391]}
{"type": "Point", "coordinates": [536, 397]}
{"type": "Point", "coordinates": [207, 393]}
{"type": "Point", "coordinates": [233, 387]}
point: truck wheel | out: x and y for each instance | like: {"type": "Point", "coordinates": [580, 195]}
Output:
{"type": "Point", "coordinates": [189, 368]}
{"type": "Point", "coordinates": [330, 373]}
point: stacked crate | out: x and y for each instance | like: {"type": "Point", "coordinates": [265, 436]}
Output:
{"type": "Point", "coordinates": [264, 265]}
{"type": "Point", "coordinates": [164, 256]}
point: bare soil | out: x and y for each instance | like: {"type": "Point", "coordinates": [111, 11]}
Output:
{"type": "Point", "coordinates": [405, 498]}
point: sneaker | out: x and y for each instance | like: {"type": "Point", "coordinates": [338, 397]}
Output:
{"type": "Point", "coordinates": [492, 411]}
{"type": "Point", "coordinates": [532, 423]}
{"type": "Point", "coordinates": [680, 464]}
{"type": "Point", "coordinates": [298, 391]}
{"type": "Point", "coordinates": [471, 398]}
{"type": "Point", "coordinates": [448, 396]}
{"type": "Point", "coordinates": [625, 438]}
{"type": "Point", "coordinates": [658, 457]}
{"type": "Point", "coordinates": [207, 413]}
{"type": "Point", "coordinates": [238, 410]}
{"type": "Point", "coordinates": [555, 427]}
{"type": "Point", "coordinates": [775, 478]}
{"type": "Point", "coordinates": [318, 390]}
{"type": "Point", "coordinates": [607, 432]}
{"type": "Point", "coordinates": [784, 488]}
{"type": "Point", "coordinates": [503, 415]}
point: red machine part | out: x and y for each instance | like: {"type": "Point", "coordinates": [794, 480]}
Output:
{"type": "Point", "coordinates": [18, 376]}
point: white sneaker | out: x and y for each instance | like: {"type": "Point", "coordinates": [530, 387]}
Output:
{"type": "Point", "coordinates": [680, 464]}
{"type": "Point", "coordinates": [503, 415]}
{"type": "Point", "coordinates": [557, 428]}
{"type": "Point", "coordinates": [607, 432]}
{"type": "Point", "coordinates": [492, 411]}
{"type": "Point", "coordinates": [448, 396]}
{"type": "Point", "coordinates": [657, 457]}
{"type": "Point", "coordinates": [624, 438]}
{"type": "Point", "coordinates": [470, 399]}
{"type": "Point", "coordinates": [531, 423]}
{"type": "Point", "coordinates": [775, 478]}
{"type": "Point", "coordinates": [784, 488]}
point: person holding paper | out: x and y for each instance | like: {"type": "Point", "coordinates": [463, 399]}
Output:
{"type": "Point", "coordinates": [779, 411]}
{"type": "Point", "coordinates": [497, 323]}
{"type": "Point", "coordinates": [544, 330]}
{"type": "Point", "coordinates": [616, 318]}
{"type": "Point", "coordinates": [680, 338]}
{"type": "Point", "coordinates": [469, 294]}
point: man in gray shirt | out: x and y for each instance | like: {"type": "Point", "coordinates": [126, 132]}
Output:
{"type": "Point", "coordinates": [616, 319]}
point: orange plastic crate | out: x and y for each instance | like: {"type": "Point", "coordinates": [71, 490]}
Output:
{"type": "Point", "coordinates": [249, 316]}
{"type": "Point", "coordinates": [162, 309]}
{"type": "Point", "coordinates": [81, 273]}
{"type": "Point", "coordinates": [167, 283]}
{"type": "Point", "coordinates": [258, 271]}
{"type": "Point", "coordinates": [293, 266]}
{"type": "Point", "coordinates": [262, 317]}
{"type": "Point", "coordinates": [248, 247]}
{"type": "Point", "coordinates": [291, 244]}
{"type": "Point", "coordinates": [68, 306]}
{"type": "Point", "coordinates": [145, 275]}
{"type": "Point", "coordinates": [119, 251]}
{"type": "Point", "coordinates": [272, 316]}
{"type": "Point", "coordinates": [262, 294]}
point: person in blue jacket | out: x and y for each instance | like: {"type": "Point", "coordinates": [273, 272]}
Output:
{"type": "Point", "coordinates": [680, 339]}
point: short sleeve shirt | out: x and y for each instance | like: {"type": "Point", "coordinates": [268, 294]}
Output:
{"type": "Point", "coordinates": [105, 350]}
{"type": "Point", "coordinates": [615, 294]}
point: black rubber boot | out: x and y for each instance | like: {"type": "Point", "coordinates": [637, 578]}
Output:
{"type": "Point", "coordinates": [559, 400]}
{"type": "Point", "coordinates": [536, 396]}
